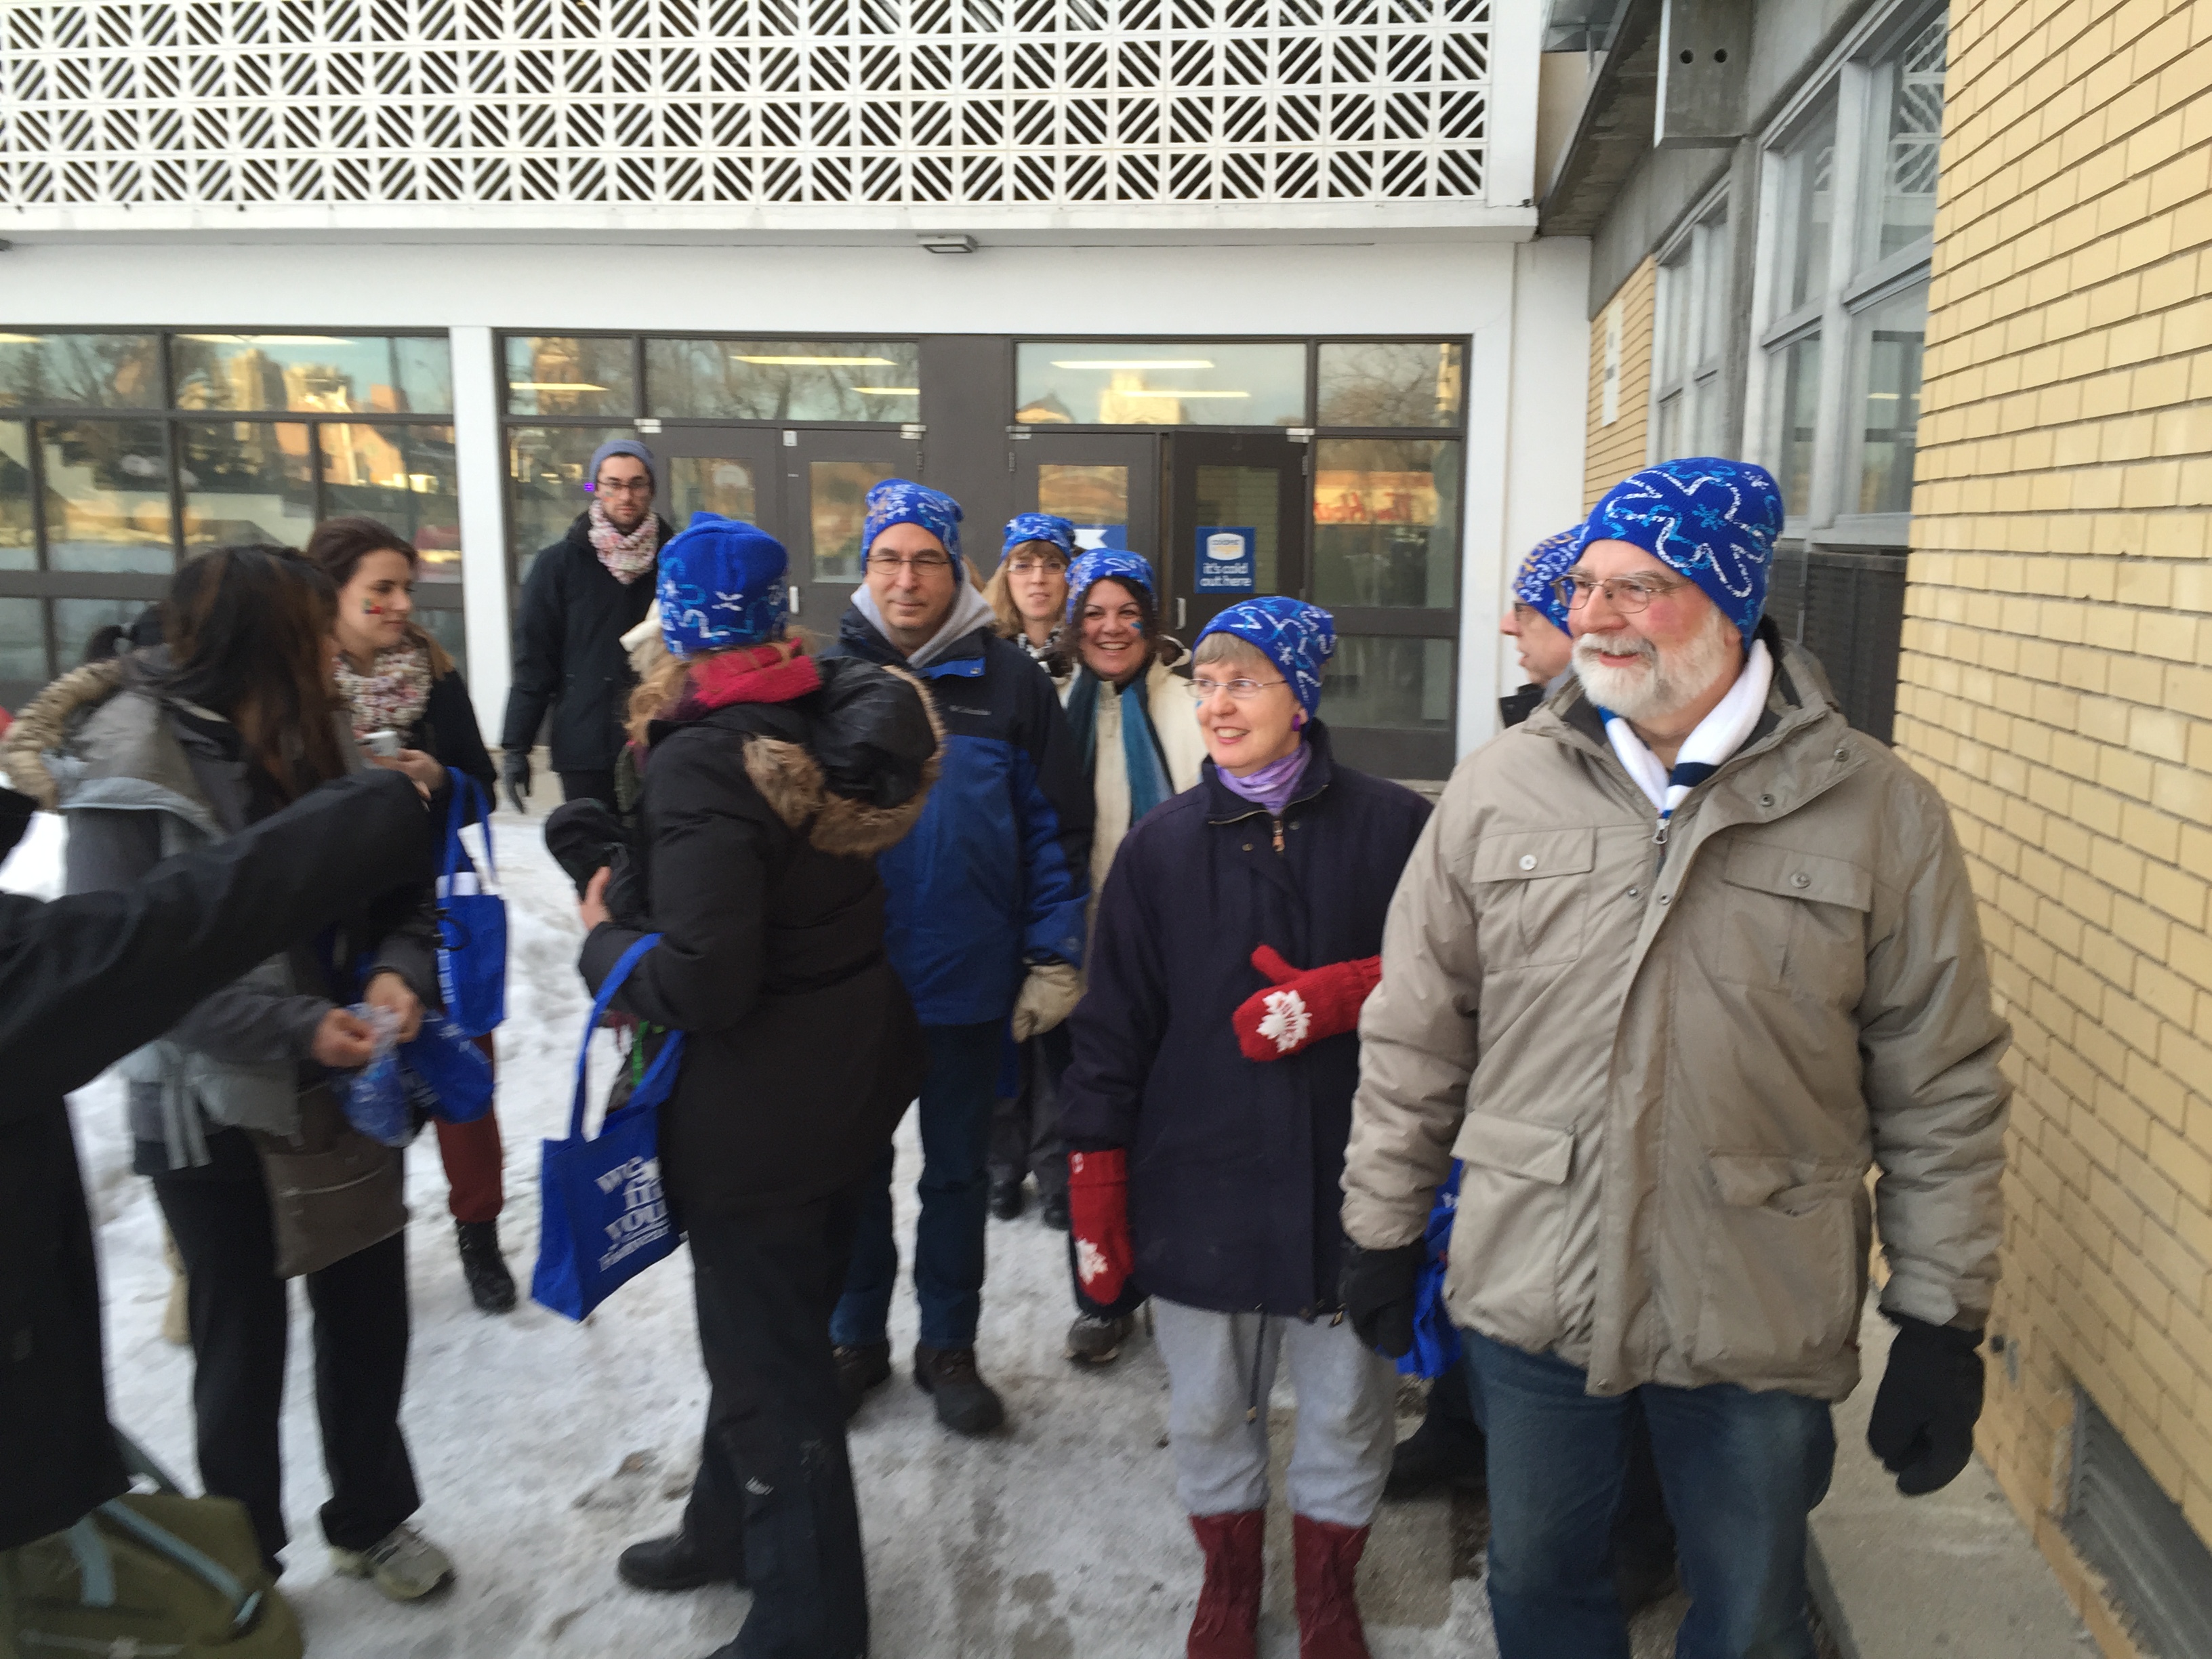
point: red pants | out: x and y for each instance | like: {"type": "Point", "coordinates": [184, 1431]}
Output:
{"type": "Point", "coordinates": [473, 1156]}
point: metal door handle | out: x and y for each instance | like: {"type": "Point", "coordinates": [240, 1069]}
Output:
{"type": "Point", "coordinates": [1180, 618]}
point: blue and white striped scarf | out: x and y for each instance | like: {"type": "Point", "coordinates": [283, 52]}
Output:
{"type": "Point", "coordinates": [1718, 736]}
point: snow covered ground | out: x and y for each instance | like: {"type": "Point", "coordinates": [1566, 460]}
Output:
{"type": "Point", "coordinates": [542, 1447]}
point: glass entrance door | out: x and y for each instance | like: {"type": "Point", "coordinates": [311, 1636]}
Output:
{"type": "Point", "coordinates": [1106, 484]}
{"type": "Point", "coordinates": [730, 470]}
{"type": "Point", "coordinates": [827, 475]}
{"type": "Point", "coordinates": [807, 487]}
{"type": "Point", "coordinates": [1238, 525]}
{"type": "Point", "coordinates": [1386, 530]}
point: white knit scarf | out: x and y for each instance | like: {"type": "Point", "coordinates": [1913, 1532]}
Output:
{"type": "Point", "coordinates": [1718, 736]}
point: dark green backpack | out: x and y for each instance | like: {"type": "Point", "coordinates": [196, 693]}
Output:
{"type": "Point", "coordinates": [156, 1574]}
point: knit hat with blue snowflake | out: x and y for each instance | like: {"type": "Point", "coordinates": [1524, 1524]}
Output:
{"type": "Point", "coordinates": [1711, 520]}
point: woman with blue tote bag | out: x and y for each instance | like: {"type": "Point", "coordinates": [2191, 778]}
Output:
{"type": "Point", "coordinates": [771, 780]}
{"type": "Point", "coordinates": [398, 680]}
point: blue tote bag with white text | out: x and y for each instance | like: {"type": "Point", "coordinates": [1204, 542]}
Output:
{"type": "Point", "coordinates": [472, 923]}
{"type": "Point", "coordinates": [604, 1217]}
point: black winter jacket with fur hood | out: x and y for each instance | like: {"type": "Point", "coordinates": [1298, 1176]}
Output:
{"type": "Point", "coordinates": [759, 824]}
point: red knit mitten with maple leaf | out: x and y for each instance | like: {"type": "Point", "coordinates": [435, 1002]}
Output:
{"type": "Point", "coordinates": [1305, 1005]}
{"type": "Point", "coordinates": [1098, 1219]}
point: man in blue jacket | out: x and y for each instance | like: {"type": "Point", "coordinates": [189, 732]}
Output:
{"type": "Point", "coordinates": [985, 921]}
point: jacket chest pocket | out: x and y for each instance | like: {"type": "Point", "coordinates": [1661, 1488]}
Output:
{"type": "Point", "coordinates": [1792, 922]}
{"type": "Point", "coordinates": [1532, 896]}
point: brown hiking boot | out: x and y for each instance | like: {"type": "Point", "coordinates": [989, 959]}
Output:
{"type": "Point", "coordinates": [1327, 1558]}
{"type": "Point", "coordinates": [1227, 1623]}
{"type": "Point", "coordinates": [966, 1404]}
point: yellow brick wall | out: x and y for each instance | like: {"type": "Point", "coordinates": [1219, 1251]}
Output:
{"type": "Point", "coordinates": [2056, 685]}
{"type": "Point", "coordinates": [1618, 450]}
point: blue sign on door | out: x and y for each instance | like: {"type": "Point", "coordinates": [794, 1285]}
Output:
{"type": "Point", "coordinates": [1226, 560]}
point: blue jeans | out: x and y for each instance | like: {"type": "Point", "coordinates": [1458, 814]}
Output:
{"type": "Point", "coordinates": [1741, 1472]}
{"type": "Point", "coordinates": [957, 1098]}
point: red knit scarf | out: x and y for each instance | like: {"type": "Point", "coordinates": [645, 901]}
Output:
{"type": "Point", "coordinates": [761, 673]}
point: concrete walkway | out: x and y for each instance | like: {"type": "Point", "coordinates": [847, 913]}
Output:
{"type": "Point", "coordinates": [1953, 1574]}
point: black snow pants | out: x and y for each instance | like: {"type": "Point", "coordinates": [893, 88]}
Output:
{"type": "Point", "coordinates": [774, 1500]}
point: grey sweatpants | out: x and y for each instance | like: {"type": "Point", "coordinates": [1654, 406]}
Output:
{"type": "Point", "coordinates": [1220, 1369]}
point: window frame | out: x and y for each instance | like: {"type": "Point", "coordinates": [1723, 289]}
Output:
{"type": "Point", "coordinates": [1700, 251]}
{"type": "Point", "coordinates": [1854, 83]}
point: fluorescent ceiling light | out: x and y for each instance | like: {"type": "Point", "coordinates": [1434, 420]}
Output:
{"type": "Point", "coordinates": [268, 339]}
{"type": "Point", "coordinates": [555, 385]}
{"type": "Point", "coordinates": [888, 391]}
{"type": "Point", "coordinates": [1134, 362]}
{"type": "Point", "coordinates": [1147, 393]}
{"type": "Point", "coordinates": [826, 362]}
{"type": "Point", "coordinates": [21, 339]}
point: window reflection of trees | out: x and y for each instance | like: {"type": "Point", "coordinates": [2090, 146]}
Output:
{"type": "Point", "coordinates": [784, 379]}
{"type": "Point", "coordinates": [1389, 383]}
{"type": "Point", "coordinates": [80, 371]}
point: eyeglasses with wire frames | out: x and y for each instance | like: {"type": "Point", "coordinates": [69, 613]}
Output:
{"type": "Point", "coordinates": [1626, 594]}
{"type": "Point", "coordinates": [1035, 567]}
{"type": "Point", "coordinates": [922, 564]}
{"type": "Point", "coordinates": [1238, 690]}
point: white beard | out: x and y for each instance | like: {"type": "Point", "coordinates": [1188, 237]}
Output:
{"type": "Point", "coordinates": [1662, 682]}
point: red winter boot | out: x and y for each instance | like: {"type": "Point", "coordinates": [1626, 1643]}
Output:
{"type": "Point", "coordinates": [1227, 1623]}
{"type": "Point", "coordinates": [1327, 1559]}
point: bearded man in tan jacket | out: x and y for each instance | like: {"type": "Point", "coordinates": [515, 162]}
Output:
{"type": "Point", "coordinates": [1676, 962]}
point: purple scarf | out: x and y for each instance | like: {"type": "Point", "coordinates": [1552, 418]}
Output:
{"type": "Point", "coordinates": [1274, 784]}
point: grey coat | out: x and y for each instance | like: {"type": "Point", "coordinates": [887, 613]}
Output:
{"type": "Point", "coordinates": [1668, 1067]}
{"type": "Point", "coordinates": [140, 784]}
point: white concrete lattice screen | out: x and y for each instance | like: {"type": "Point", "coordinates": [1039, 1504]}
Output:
{"type": "Point", "coordinates": [761, 102]}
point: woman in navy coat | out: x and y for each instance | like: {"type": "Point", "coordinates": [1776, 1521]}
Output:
{"type": "Point", "coordinates": [1209, 1105]}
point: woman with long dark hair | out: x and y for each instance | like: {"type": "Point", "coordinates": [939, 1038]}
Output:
{"type": "Point", "coordinates": [771, 780]}
{"type": "Point", "coordinates": [232, 1110]}
{"type": "Point", "coordinates": [396, 678]}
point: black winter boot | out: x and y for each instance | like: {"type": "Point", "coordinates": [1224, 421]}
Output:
{"type": "Point", "coordinates": [482, 1265]}
{"type": "Point", "coordinates": [673, 1562]}
{"type": "Point", "coordinates": [860, 1369]}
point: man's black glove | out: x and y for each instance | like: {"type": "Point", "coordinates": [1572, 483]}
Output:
{"type": "Point", "coordinates": [1378, 1288]}
{"type": "Point", "coordinates": [514, 774]}
{"type": "Point", "coordinates": [1923, 1427]}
